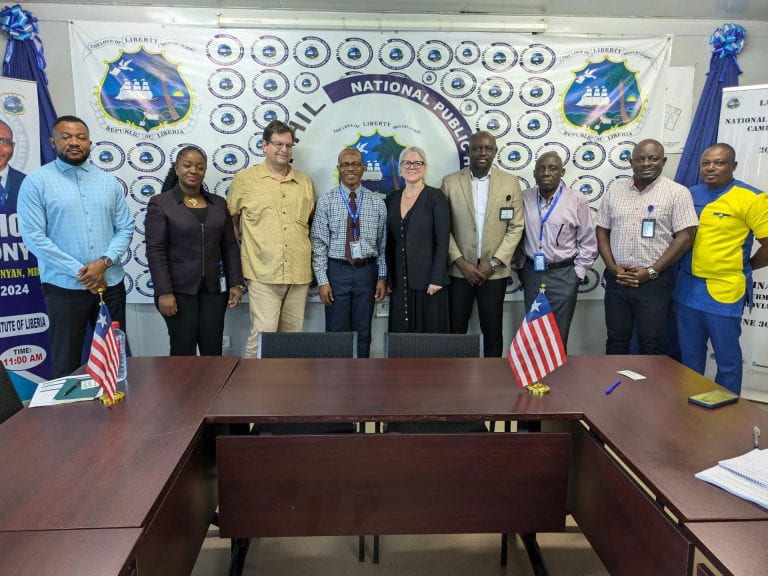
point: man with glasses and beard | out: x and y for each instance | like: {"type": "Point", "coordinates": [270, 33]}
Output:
{"type": "Point", "coordinates": [74, 218]}
{"type": "Point", "coordinates": [349, 233]}
{"type": "Point", "coordinates": [271, 205]}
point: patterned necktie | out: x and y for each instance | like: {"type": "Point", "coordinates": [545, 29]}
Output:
{"type": "Point", "coordinates": [3, 193]}
{"type": "Point", "coordinates": [350, 227]}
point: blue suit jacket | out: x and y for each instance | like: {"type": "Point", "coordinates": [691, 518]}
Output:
{"type": "Point", "coordinates": [15, 178]}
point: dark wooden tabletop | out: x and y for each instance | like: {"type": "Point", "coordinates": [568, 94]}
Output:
{"type": "Point", "coordinates": [83, 465]}
{"type": "Point", "coordinates": [380, 389]}
{"type": "Point", "coordinates": [736, 548]}
{"type": "Point", "coordinates": [649, 423]}
{"type": "Point", "coordinates": [58, 552]}
{"type": "Point", "coordinates": [662, 437]}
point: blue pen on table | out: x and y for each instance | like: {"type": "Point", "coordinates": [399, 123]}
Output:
{"type": "Point", "coordinates": [612, 387]}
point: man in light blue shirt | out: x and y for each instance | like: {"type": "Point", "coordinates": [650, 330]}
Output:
{"type": "Point", "coordinates": [74, 218]}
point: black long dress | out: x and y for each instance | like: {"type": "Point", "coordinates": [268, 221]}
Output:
{"type": "Point", "coordinates": [417, 248]}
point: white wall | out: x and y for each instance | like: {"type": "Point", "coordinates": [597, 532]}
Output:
{"type": "Point", "coordinates": [146, 330]}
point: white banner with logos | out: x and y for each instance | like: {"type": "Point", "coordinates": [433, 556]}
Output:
{"type": "Point", "coordinates": [744, 125]}
{"type": "Point", "coordinates": [145, 95]}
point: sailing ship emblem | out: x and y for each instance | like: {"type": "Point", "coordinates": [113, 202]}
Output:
{"type": "Point", "coordinates": [144, 90]}
{"type": "Point", "coordinates": [603, 96]}
{"type": "Point", "coordinates": [380, 157]}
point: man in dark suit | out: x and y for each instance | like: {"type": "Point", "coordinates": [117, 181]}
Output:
{"type": "Point", "coordinates": [486, 226]}
{"type": "Point", "coordinates": [10, 178]}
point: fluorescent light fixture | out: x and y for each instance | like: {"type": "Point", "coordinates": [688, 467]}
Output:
{"type": "Point", "coordinates": [457, 23]}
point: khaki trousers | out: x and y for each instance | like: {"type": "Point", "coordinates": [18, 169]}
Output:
{"type": "Point", "coordinates": [274, 308]}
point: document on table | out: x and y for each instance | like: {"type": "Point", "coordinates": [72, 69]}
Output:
{"type": "Point", "coordinates": [82, 388]}
{"type": "Point", "coordinates": [745, 476]}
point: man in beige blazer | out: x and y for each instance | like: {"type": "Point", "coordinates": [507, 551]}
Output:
{"type": "Point", "coordinates": [486, 226]}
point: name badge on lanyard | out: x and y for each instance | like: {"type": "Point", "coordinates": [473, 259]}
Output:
{"type": "Point", "coordinates": [355, 246]}
{"type": "Point", "coordinates": [539, 262]}
{"type": "Point", "coordinates": [222, 278]}
{"type": "Point", "coordinates": [648, 227]}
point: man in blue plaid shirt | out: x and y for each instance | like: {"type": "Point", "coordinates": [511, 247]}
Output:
{"type": "Point", "coordinates": [349, 233]}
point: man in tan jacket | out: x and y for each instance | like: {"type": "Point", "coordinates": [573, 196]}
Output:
{"type": "Point", "coordinates": [486, 226]}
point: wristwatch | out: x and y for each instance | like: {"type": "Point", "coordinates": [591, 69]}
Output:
{"type": "Point", "coordinates": [495, 264]}
{"type": "Point", "coordinates": [652, 274]}
{"type": "Point", "coordinates": [107, 261]}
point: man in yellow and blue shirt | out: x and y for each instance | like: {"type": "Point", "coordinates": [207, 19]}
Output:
{"type": "Point", "coordinates": [715, 280]}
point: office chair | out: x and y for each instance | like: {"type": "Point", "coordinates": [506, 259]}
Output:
{"type": "Point", "coordinates": [10, 403]}
{"type": "Point", "coordinates": [309, 345]}
{"type": "Point", "coordinates": [417, 345]}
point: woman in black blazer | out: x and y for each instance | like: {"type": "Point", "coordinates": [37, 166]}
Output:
{"type": "Point", "coordinates": [418, 223]}
{"type": "Point", "coordinates": [194, 257]}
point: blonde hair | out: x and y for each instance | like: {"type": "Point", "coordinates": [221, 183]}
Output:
{"type": "Point", "coordinates": [418, 151]}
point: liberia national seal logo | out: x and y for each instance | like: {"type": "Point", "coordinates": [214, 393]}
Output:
{"type": "Point", "coordinates": [144, 90]}
{"type": "Point", "coordinates": [603, 96]}
{"type": "Point", "coordinates": [380, 158]}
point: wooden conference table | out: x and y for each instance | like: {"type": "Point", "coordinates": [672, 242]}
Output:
{"type": "Point", "coordinates": [86, 490]}
{"type": "Point", "coordinates": [633, 454]}
{"type": "Point", "coordinates": [139, 481]}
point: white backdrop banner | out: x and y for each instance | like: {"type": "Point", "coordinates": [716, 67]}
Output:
{"type": "Point", "coordinates": [146, 95]}
{"type": "Point", "coordinates": [744, 125]}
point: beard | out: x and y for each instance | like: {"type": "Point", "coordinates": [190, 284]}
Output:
{"type": "Point", "coordinates": [63, 157]}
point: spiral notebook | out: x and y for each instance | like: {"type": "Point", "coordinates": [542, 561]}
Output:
{"type": "Point", "coordinates": [745, 476]}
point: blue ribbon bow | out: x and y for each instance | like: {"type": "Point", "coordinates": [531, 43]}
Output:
{"type": "Point", "coordinates": [728, 40]}
{"type": "Point", "coordinates": [21, 26]}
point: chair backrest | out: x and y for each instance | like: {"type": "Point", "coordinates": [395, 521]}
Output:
{"type": "Point", "coordinates": [307, 345]}
{"type": "Point", "coordinates": [10, 403]}
{"type": "Point", "coordinates": [418, 345]}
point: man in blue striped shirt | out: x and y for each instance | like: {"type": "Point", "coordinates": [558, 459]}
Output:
{"type": "Point", "coordinates": [74, 218]}
{"type": "Point", "coordinates": [349, 233]}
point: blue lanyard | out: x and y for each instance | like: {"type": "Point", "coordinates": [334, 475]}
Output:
{"type": "Point", "coordinates": [356, 215]}
{"type": "Point", "coordinates": [549, 211]}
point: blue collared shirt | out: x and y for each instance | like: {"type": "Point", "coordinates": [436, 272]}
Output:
{"type": "Point", "coordinates": [72, 215]}
{"type": "Point", "coordinates": [329, 230]}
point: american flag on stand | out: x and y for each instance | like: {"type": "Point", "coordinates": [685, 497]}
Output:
{"type": "Point", "coordinates": [104, 359]}
{"type": "Point", "coordinates": [537, 348]}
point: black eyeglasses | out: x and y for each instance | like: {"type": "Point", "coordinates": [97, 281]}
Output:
{"type": "Point", "coordinates": [281, 145]}
{"type": "Point", "coordinates": [412, 163]}
{"type": "Point", "coordinates": [349, 165]}
{"type": "Point", "coordinates": [6, 141]}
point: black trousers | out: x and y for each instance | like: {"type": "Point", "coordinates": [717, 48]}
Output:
{"type": "Point", "coordinates": [69, 313]}
{"type": "Point", "coordinates": [645, 308]}
{"type": "Point", "coordinates": [490, 307]}
{"type": "Point", "coordinates": [199, 323]}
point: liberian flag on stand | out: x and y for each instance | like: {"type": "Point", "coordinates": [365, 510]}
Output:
{"type": "Point", "coordinates": [104, 358]}
{"type": "Point", "coordinates": [537, 348]}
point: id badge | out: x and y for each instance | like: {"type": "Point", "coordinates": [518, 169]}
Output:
{"type": "Point", "coordinates": [222, 284]}
{"type": "Point", "coordinates": [356, 250]}
{"type": "Point", "coordinates": [506, 213]}
{"type": "Point", "coordinates": [648, 229]}
{"type": "Point", "coordinates": [539, 263]}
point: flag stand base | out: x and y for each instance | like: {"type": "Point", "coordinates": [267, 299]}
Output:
{"type": "Point", "coordinates": [107, 402]}
{"type": "Point", "coordinates": [538, 389]}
